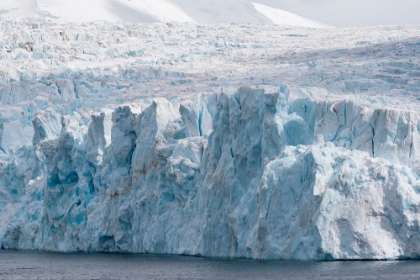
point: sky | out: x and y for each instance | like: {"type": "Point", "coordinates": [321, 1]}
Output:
{"type": "Point", "coordinates": [349, 13]}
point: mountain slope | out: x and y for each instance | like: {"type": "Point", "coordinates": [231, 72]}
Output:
{"type": "Point", "coordinates": [221, 11]}
{"type": "Point", "coordinates": [18, 8]}
{"type": "Point", "coordinates": [202, 11]}
{"type": "Point", "coordinates": [281, 17]}
{"type": "Point", "coordinates": [111, 10]}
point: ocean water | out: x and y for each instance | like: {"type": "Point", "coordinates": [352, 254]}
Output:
{"type": "Point", "coordinates": [44, 265]}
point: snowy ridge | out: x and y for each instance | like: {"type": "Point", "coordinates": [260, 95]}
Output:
{"type": "Point", "coordinates": [146, 11]}
{"type": "Point", "coordinates": [263, 142]}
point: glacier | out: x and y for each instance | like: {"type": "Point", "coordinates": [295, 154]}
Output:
{"type": "Point", "coordinates": [249, 141]}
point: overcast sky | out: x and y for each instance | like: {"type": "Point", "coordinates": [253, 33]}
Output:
{"type": "Point", "coordinates": [346, 13]}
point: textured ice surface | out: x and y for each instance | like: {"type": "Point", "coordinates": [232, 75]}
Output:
{"type": "Point", "coordinates": [261, 141]}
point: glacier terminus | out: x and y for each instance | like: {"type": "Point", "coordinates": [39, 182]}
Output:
{"type": "Point", "coordinates": [231, 140]}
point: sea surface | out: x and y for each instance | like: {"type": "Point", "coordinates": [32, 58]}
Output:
{"type": "Point", "coordinates": [44, 265]}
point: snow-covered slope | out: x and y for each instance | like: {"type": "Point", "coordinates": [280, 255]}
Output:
{"type": "Point", "coordinates": [221, 11]}
{"type": "Point", "coordinates": [256, 141]}
{"type": "Point", "coordinates": [281, 17]}
{"type": "Point", "coordinates": [144, 11]}
{"type": "Point", "coordinates": [202, 11]}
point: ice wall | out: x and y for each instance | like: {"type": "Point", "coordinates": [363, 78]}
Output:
{"type": "Point", "coordinates": [256, 172]}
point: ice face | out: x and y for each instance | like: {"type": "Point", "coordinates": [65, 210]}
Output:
{"type": "Point", "coordinates": [156, 145]}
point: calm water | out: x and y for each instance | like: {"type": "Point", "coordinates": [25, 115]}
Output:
{"type": "Point", "coordinates": [39, 265]}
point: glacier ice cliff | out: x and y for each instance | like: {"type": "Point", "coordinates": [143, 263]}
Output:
{"type": "Point", "coordinates": [130, 146]}
{"type": "Point", "coordinates": [244, 173]}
